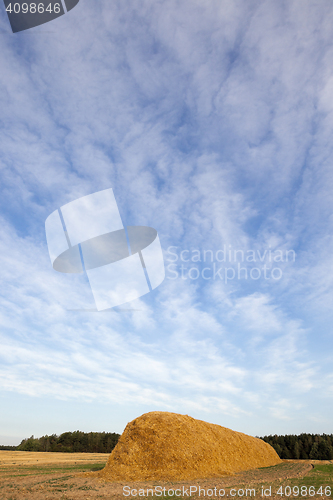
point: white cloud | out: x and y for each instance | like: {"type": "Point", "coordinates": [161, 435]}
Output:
{"type": "Point", "coordinates": [212, 123]}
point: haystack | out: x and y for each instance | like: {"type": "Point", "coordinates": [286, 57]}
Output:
{"type": "Point", "coordinates": [168, 446]}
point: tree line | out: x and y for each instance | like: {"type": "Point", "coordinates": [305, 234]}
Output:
{"type": "Point", "coordinates": [71, 442]}
{"type": "Point", "coordinates": [303, 446]}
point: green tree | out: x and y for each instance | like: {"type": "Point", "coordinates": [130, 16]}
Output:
{"type": "Point", "coordinates": [296, 453]}
{"type": "Point", "coordinates": [314, 454]}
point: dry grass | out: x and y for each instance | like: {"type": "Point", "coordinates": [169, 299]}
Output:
{"type": "Point", "coordinates": [21, 458]}
{"type": "Point", "coordinates": [169, 446]}
{"type": "Point", "coordinates": [67, 478]}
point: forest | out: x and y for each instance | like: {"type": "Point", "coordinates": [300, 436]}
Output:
{"type": "Point", "coordinates": [303, 446]}
{"type": "Point", "coordinates": [72, 442]}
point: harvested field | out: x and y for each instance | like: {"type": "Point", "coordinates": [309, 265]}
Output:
{"type": "Point", "coordinates": [56, 479]}
{"type": "Point", "coordinates": [169, 446]}
{"type": "Point", "coordinates": [21, 458]}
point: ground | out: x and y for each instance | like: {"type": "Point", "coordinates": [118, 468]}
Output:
{"type": "Point", "coordinates": [74, 476]}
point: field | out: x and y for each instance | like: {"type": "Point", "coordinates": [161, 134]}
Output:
{"type": "Point", "coordinates": [74, 476]}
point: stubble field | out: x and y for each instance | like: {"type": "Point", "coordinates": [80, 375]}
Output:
{"type": "Point", "coordinates": [74, 476]}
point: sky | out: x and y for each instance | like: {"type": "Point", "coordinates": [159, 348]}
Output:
{"type": "Point", "coordinates": [212, 121]}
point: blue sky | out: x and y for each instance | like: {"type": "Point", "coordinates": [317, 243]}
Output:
{"type": "Point", "coordinates": [212, 121]}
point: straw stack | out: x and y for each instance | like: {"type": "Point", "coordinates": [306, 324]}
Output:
{"type": "Point", "coordinates": [168, 446]}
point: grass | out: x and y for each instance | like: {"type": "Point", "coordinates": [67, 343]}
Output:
{"type": "Point", "coordinates": [28, 470]}
{"type": "Point", "coordinates": [320, 477]}
{"type": "Point", "coordinates": [322, 474]}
